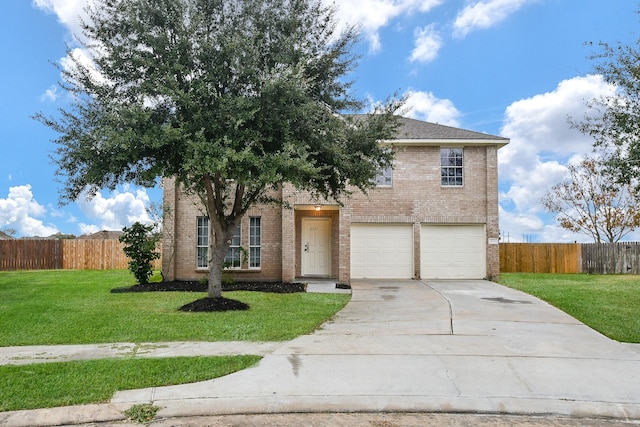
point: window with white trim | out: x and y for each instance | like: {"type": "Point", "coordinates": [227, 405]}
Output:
{"type": "Point", "coordinates": [255, 242]}
{"type": "Point", "coordinates": [384, 178]}
{"type": "Point", "coordinates": [233, 259]}
{"type": "Point", "coordinates": [202, 244]}
{"type": "Point", "coordinates": [451, 167]}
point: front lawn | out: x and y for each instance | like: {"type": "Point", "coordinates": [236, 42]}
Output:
{"type": "Point", "coordinates": [609, 304]}
{"type": "Point", "coordinates": [77, 307]}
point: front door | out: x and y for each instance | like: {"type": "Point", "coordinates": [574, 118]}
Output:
{"type": "Point", "coordinates": [316, 246]}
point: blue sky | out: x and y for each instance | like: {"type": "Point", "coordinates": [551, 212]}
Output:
{"type": "Point", "coordinates": [515, 68]}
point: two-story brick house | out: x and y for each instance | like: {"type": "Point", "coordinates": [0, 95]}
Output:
{"type": "Point", "coordinates": [434, 215]}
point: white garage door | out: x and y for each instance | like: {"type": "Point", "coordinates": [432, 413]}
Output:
{"type": "Point", "coordinates": [382, 251]}
{"type": "Point", "coordinates": [453, 252]}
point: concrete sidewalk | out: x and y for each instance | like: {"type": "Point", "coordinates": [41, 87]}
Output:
{"type": "Point", "coordinates": [409, 346]}
{"type": "Point", "coordinates": [65, 353]}
{"type": "Point", "coordinates": [447, 346]}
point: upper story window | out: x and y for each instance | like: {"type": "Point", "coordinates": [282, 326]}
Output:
{"type": "Point", "coordinates": [384, 178]}
{"type": "Point", "coordinates": [451, 167]}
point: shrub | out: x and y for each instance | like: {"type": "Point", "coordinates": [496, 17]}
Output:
{"type": "Point", "coordinates": [140, 244]}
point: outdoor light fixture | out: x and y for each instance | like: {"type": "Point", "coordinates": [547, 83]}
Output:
{"type": "Point", "coordinates": [318, 207]}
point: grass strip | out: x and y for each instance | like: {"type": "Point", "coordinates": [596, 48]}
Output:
{"type": "Point", "coordinates": [48, 385]}
{"type": "Point", "coordinates": [610, 304]}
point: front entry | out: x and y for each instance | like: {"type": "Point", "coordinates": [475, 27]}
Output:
{"type": "Point", "coordinates": [316, 246]}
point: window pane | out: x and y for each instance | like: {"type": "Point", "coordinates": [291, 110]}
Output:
{"type": "Point", "coordinates": [452, 166]}
{"type": "Point", "coordinates": [255, 240]}
{"type": "Point", "coordinates": [384, 178]}
{"type": "Point", "coordinates": [202, 242]}
{"type": "Point", "coordinates": [203, 259]}
{"type": "Point", "coordinates": [233, 259]}
{"type": "Point", "coordinates": [254, 257]}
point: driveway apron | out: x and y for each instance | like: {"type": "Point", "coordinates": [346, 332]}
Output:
{"type": "Point", "coordinates": [437, 346]}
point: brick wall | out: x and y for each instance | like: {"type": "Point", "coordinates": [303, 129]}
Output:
{"type": "Point", "coordinates": [180, 234]}
{"type": "Point", "coordinates": [416, 197]}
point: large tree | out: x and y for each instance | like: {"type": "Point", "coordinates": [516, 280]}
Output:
{"type": "Point", "coordinates": [591, 203]}
{"type": "Point", "coordinates": [233, 98]}
{"type": "Point", "coordinates": [613, 120]}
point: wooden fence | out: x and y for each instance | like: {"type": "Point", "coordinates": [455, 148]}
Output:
{"type": "Point", "coordinates": [593, 258]}
{"type": "Point", "coordinates": [540, 258]}
{"type": "Point", "coordinates": [107, 254]}
{"type": "Point", "coordinates": [30, 254]}
{"type": "Point", "coordinates": [607, 258]}
{"type": "Point", "coordinates": [72, 254]}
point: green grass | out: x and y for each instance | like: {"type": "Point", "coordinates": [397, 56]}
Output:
{"type": "Point", "coordinates": [77, 307]}
{"type": "Point", "coordinates": [73, 383]}
{"type": "Point", "coordinates": [609, 304]}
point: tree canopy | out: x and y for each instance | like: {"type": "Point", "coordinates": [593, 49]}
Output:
{"type": "Point", "coordinates": [614, 120]}
{"type": "Point", "coordinates": [591, 203]}
{"type": "Point", "coordinates": [232, 98]}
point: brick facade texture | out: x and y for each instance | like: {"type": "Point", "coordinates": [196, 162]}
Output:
{"type": "Point", "coordinates": [416, 197]}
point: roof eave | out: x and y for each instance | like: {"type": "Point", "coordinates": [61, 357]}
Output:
{"type": "Point", "coordinates": [501, 142]}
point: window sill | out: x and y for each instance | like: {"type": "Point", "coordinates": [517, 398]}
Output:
{"type": "Point", "coordinates": [232, 270]}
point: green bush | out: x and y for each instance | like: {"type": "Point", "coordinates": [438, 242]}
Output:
{"type": "Point", "coordinates": [140, 244]}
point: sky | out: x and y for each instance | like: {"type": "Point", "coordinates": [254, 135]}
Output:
{"type": "Point", "coordinates": [512, 68]}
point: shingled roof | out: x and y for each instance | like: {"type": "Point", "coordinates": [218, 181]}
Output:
{"type": "Point", "coordinates": [104, 234]}
{"type": "Point", "coordinates": [412, 129]}
{"type": "Point", "coordinates": [5, 236]}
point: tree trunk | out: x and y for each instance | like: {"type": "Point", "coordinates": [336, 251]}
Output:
{"type": "Point", "coordinates": [221, 229]}
{"type": "Point", "coordinates": [216, 265]}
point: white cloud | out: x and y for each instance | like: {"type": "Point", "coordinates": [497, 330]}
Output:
{"type": "Point", "coordinates": [50, 94]}
{"type": "Point", "coordinates": [428, 44]}
{"type": "Point", "coordinates": [542, 141]}
{"type": "Point", "coordinates": [20, 209]}
{"type": "Point", "coordinates": [514, 227]}
{"type": "Point", "coordinates": [426, 106]}
{"type": "Point", "coordinates": [67, 11]}
{"type": "Point", "coordinates": [119, 210]}
{"type": "Point", "coordinates": [372, 15]}
{"type": "Point", "coordinates": [485, 14]}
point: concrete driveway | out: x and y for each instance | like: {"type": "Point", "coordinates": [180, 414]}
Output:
{"type": "Point", "coordinates": [438, 346]}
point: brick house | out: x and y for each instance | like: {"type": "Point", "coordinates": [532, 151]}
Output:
{"type": "Point", "coordinates": [434, 215]}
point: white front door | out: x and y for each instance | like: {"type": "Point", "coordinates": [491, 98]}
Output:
{"type": "Point", "coordinates": [316, 246]}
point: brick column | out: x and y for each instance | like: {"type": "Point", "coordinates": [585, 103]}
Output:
{"type": "Point", "coordinates": [170, 216]}
{"type": "Point", "coordinates": [344, 264]}
{"type": "Point", "coordinates": [493, 226]}
{"type": "Point", "coordinates": [288, 244]}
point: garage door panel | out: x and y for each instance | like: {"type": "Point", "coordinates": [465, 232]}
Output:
{"type": "Point", "coordinates": [381, 251]}
{"type": "Point", "coordinates": [453, 252]}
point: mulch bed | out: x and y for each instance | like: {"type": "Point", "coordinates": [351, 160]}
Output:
{"type": "Point", "coordinates": [197, 286]}
{"type": "Point", "coordinates": [213, 304]}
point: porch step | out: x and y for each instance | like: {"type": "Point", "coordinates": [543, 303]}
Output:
{"type": "Point", "coordinates": [322, 286]}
